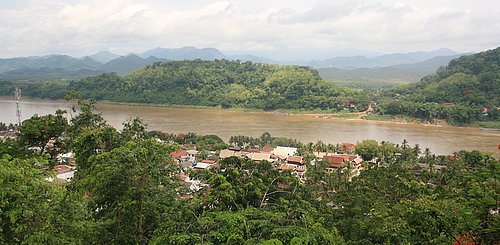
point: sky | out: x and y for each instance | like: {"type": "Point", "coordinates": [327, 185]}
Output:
{"type": "Point", "coordinates": [277, 29]}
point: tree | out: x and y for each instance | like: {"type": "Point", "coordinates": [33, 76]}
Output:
{"type": "Point", "coordinates": [134, 129]}
{"type": "Point", "coordinates": [131, 190]}
{"type": "Point", "coordinates": [90, 142]}
{"type": "Point", "coordinates": [86, 119]}
{"type": "Point", "coordinates": [265, 139]}
{"type": "Point", "coordinates": [31, 208]}
{"type": "Point", "coordinates": [39, 130]}
{"type": "Point", "coordinates": [368, 149]}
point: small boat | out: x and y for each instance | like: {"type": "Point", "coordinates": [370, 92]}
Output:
{"type": "Point", "coordinates": [490, 129]}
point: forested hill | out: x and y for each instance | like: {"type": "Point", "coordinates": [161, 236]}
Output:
{"type": "Point", "coordinates": [465, 91]}
{"type": "Point", "coordinates": [220, 83]}
{"type": "Point", "coordinates": [472, 79]}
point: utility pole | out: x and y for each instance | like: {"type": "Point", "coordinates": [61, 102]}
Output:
{"type": "Point", "coordinates": [17, 95]}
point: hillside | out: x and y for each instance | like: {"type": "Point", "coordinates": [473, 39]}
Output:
{"type": "Point", "coordinates": [220, 83]}
{"type": "Point", "coordinates": [466, 90]}
{"type": "Point", "coordinates": [209, 83]}
{"type": "Point", "coordinates": [473, 79]}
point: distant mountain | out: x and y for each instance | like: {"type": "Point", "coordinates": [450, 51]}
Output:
{"type": "Point", "coordinates": [106, 61]}
{"type": "Point", "coordinates": [429, 65]}
{"type": "Point", "coordinates": [103, 57]}
{"type": "Point", "coordinates": [46, 74]}
{"type": "Point", "coordinates": [129, 63]}
{"type": "Point", "coordinates": [353, 62]}
{"type": "Point", "coordinates": [385, 76]}
{"type": "Point", "coordinates": [49, 61]}
{"type": "Point", "coordinates": [184, 53]}
{"type": "Point", "coordinates": [253, 58]}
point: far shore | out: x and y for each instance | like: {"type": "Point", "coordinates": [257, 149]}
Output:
{"type": "Point", "coordinates": [348, 116]}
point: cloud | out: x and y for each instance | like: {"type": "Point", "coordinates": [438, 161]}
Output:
{"type": "Point", "coordinates": [278, 28]}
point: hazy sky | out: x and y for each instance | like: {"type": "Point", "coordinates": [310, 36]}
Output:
{"type": "Point", "coordinates": [279, 29]}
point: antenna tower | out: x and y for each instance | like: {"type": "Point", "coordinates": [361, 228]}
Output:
{"type": "Point", "coordinates": [17, 95]}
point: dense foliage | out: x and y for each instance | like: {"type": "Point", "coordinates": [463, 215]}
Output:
{"type": "Point", "coordinates": [128, 190]}
{"type": "Point", "coordinates": [208, 83]}
{"type": "Point", "coordinates": [458, 93]}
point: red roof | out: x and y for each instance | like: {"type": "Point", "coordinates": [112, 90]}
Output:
{"type": "Point", "coordinates": [267, 148]}
{"type": "Point", "coordinates": [178, 154]}
{"type": "Point", "coordinates": [285, 167]}
{"type": "Point", "coordinates": [336, 161]}
{"type": "Point", "coordinates": [62, 168]}
{"type": "Point", "coordinates": [348, 147]}
{"type": "Point", "coordinates": [295, 159]}
{"type": "Point", "coordinates": [208, 161]}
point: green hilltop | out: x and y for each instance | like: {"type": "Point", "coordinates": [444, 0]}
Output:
{"type": "Point", "coordinates": [221, 83]}
{"type": "Point", "coordinates": [466, 90]}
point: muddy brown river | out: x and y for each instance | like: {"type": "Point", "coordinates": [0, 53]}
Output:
{"type": "Point", "coordinates": [440, 139]}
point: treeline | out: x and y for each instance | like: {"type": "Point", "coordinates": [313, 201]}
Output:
{"type": "Point", "coordinates": [129, 191]}
{"type": "Point", "coordinates": [210, 83]}
{"type": "Point", "coordinates": [456, 114]}
{"type": "Point", "coordinates": [458, 93]}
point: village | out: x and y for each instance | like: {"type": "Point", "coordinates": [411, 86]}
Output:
{"type": "Point", "coordinates": [283, 159]}
{"type": "Point", "coordinates": [189, 157]}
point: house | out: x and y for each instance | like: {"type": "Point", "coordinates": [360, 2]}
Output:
{"type": "Point", "coordinates": [348, 147]}
{"type": "Point", "coordinates": [178, 154]}
{"type": "Point", "coordinates": [283, 152]}
{"type": "Point", "coordinates": [235, 148]}
{"type": "Point", "coordinates": [65, 172]}
{"type": "Point", "coordinates": [336, 161]}
{"type": "Point", "coordinates": [295, 160]}
{"type": "Point", "coordinates": [192, 153]}
{"type": "Point", "coordinates": [226, 153]}
{"type": "Point", "coordinates": [268, 148]}
{"type": "Point", "coordinates": [355, 160]}
{"type": "Point", "coordinates": [258, 157]}
{"type": "Point", "coordinates": [241, 153]}
{"type": "Point", "coordinates": [207, 161]}
{"type": "Point", "coordinates": [202, 165]}
{"type": "Point", "coordinates": [284, 167]}
{"type": "Point", "coordinates": [192, 184]}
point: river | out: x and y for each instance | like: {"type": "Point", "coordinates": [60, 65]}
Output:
{"type": "Point", "coordinates": [441, 140]}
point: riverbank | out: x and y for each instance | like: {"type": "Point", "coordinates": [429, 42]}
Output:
{"type": "Point", "coordinates": [227, 123]}
{"type": "Point", "coordinates": [345, 115]}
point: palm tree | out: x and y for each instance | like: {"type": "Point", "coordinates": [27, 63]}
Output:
{"type": "Point", "coordinates": [319, 146]}
{"type": "Point", "coordinates": [427, 153]}
{"type": "Point", "coordinates": [309, 147]}
{"type": "Point", "coordinates": [404, 145]}
{"type": "Point", "coordinates": [417, 150]}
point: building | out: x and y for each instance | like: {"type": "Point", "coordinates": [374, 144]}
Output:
{"type": "Point", "coordinates": [284, 152]}
{"type": "Point", "coordinates": [65, 172]}
{"type": "Point", "coordinates": [259, 156]}
{"type": "Point", "coordinates": [336, 161]}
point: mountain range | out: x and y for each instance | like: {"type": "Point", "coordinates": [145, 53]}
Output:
{"type": "Point", "coordinates": [64, 66]}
